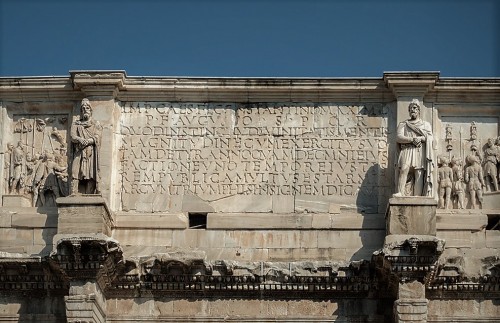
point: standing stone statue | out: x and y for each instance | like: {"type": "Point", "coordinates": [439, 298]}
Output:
{"type": "Point", "coordinates": [86, 139]}
{"type": "Point", "coordinates": [491, 155]}
{"type": "Point", "coordinates": [17, 168]}
{"type": "Point", "coordinates": [35, 185]}
{"type": "Point", "coordinates": [458, 182]}
{"type": "Point", "coordinates": [415, 140]}
{"type": "Point", "coordinates": [474, 180]}
{"type": "Point", "coordinates": [445, 177]}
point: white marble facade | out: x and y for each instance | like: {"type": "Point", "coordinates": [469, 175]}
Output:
{"type": "Point", "coordinates": [242, 179]}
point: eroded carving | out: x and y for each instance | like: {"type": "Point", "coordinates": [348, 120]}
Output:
{"type": "Point", "coordinates": [86, 139]}
{"type": "Point", "coordinates": [479, 145]}
{"type": "Point", "coordinates": [458, 190]}
{"type": "Point", "coordinates": [474, 180]}
{"type": "Point", "coordinates": [50, 180]}
{"type": "Point", "coordinates": [415, 161]}
{"type": "Point", "coordinates": [491, 158]}
{"type": "Point", "coordinates": [17, 167]}
{"type": "Point", "coordinates": [449, 138]}
{"type": "Point", "coordinates": [36, 165]}
{"type": "Point", "coordinates": [263, 151]}
{"type": "Point", "coordinates": [445, 177]}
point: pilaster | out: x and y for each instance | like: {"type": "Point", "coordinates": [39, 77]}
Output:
{"type": "Point", "coordinates": [102, 88]}
{"type": "Point", "coordinates": [85, 303]}
{"type": "Point", "coordinates": [410, 254]}
{"type": "Point", "coordinates": [89, 262]}
{"type": "Point", "coordinates": [407, 86]}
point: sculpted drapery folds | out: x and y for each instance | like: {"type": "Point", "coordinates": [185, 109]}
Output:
{"type": "Point", "coordinates": [491, 158]}
{"type": "Point", "coordinates": [415, 140]}
{"type": "Point", "coordinates": [17, 168]}
{"type": "Point", "coordinates": [86, 139]}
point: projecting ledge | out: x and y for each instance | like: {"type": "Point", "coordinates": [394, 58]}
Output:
{"type": "Point", "coordinates": [467, 220]}
{"type": "Point", "coordinates": [285, 221]}
{"type": "Point", "coordinates": [132, 220]}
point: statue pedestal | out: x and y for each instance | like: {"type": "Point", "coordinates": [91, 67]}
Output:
{"type": "Point", "coordinates": [410, 252]}
{"type": "Point", "coordinates": [83, 214]}
{"type": "Point", "coordinates": [412, 215]}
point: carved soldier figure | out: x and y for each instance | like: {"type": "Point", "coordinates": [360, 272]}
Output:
{"type": "Point", "coordinates": [458, 182]}
{"type": "Point", "coordinates": [37, 161]}
{"type": "Point", "coordinates": [86, 139]}
{"type": "Point", "coordinates": [445, 175]}
{"type": "Point", "coordinates": [17, 168]}
{"type": "Point", "coordinates": [30, 163]}
{"type": "Point", "coordinates": [474, 180]}
{"type": "Point", "coordinates": [52, 169]}
{"type": "Point", "coordinates": [490, 165]}
{"type": "Point", "coordinates": [62, 171]}
{"type": "Point", "coordinates": [8, 157]}
{"type": "Point", "coordinates": [415, 139]}
{"type": "Point", "coordinates": [497, 144]}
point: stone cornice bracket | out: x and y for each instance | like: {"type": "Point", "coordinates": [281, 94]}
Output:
{"type": "Point", "coordinates": [410, 84]}
{"type": "Point", "coordinates": [407, 257]}
{"type": "Point", "coordinates": [98, 83]}
{"type": "Point", "coordinates": [95, 257]}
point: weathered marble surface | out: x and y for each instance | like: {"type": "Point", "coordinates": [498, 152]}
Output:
{"type": "Point", "coordinates": [293, 177]}
{"type": "Point", "coordinates": [253, 158]}
{"type": "Point", "coordinates": [411, 215]}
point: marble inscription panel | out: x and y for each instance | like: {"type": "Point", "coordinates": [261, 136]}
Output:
{"type": "Point", "coordinates": [228, 151]}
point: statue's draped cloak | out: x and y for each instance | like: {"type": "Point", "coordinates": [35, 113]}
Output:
{"type": "Point", "coordinates": [86, 158]}
{"type": "Point", "coordinates": [417, 157]}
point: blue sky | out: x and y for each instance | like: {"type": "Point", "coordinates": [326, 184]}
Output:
{"type": "Point", "coordinates": [276, 38]}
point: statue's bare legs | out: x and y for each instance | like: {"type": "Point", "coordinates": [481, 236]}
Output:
{"type": "Point", "coordinates": [473, 199]}
{"type": "Point", "coordinates": [419, 182]}
{"type": "Point", "coordinates": [403, 175]}
{"type": "Point", "coordinates": [442, 192]}
{"type": "Point", "coordinates": [448, 198]}
{"type": "Point", "coordinates": [480, 197]}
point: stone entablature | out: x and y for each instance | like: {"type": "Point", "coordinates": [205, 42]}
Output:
{"type": "Point", "coordinates": [383, 191]}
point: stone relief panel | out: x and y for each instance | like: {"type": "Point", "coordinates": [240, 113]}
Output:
{"type": "Point", "coordinates": [470, 145]}
{"type": "Point", "coordinates": [254, 157]}
{"type": "Point", "coordinates": [35, 162]}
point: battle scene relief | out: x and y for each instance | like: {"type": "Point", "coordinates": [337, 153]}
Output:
{"type": "Point", "coordinates": [469, 162]}
{"type": "Point", "coordinates": [36, 159]}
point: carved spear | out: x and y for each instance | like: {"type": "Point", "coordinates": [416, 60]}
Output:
{"type": "Point", "coordinates": [461, 144]}
{"type": "Point", "coordinates": [33, 141]}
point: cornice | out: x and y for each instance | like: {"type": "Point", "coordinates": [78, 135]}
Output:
{"type": "Point", "coordinates": [37, 89]}
{"type": "Point", "coordinates": [466, 90]}
{"type": "Point", "coordinates": [410, 84]}
{"type": "Point", "coordinates": [98, 83]}
{"type": "Point", "coordinates": [116, 84]}
{"type": "Point", "coordinates": [254, 89]}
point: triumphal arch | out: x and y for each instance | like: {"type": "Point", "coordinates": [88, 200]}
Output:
{"type": "Point", "coordinates": [167, 199]}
